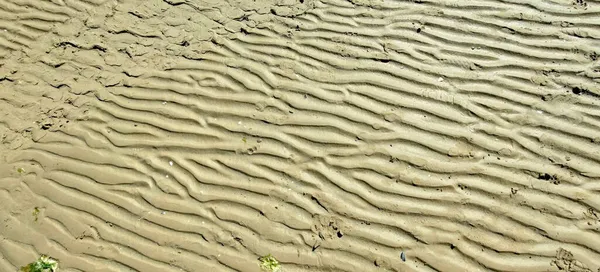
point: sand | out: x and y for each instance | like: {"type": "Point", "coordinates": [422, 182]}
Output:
{"type": "Point", "coordinates": [358, 135]}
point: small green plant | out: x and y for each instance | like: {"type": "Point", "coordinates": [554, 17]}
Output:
{"type": "Point", "coordinates": [269, 263]}
{"type": "Point", "coordinates": [43, 264]}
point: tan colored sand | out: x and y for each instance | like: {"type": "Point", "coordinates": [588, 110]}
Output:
{"type": "Point", "coordinates": [187, 135]}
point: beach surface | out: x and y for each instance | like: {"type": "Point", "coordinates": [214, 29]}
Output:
{"type": "Point", "coordinates": [335, 135]}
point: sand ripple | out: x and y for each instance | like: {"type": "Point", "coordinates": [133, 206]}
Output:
{"type": "Point", "coordinates": [198, 136]}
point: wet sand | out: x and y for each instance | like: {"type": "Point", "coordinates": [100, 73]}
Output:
{"type": "Point", "coordinates": [335, 135]}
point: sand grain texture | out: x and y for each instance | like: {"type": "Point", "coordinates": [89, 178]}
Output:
{"type": "Point", "coordinates": [187, 135]}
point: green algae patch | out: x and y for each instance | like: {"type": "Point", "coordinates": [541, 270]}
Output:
{"type": "Point", "coordinates": [43, 264]}
{"type": "Point", "coordinates": [269, 263]}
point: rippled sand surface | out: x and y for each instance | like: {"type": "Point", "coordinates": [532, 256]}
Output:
{"type": "Point", "coordinates": [358, 135]}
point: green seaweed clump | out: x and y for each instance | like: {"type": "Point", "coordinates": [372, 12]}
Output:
{"type": "Point", "coordinates": [269, 263]}
{"type": "Point", "coordinates": [36, 213]}
{"type": "Point", "coordinates": [43, 264]}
